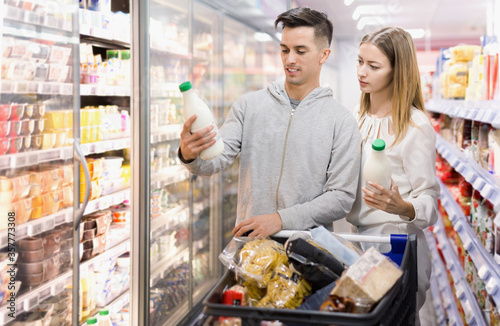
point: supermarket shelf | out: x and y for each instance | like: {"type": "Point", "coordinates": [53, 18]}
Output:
{"type": "Point", "coordinates": [30, 300]}
{"type": "Point", "coordinates": [20, 160]}
{"type": "Point", "coordinates": [35, 19]}
{"type": "Point", "coordinates": [483, 111]}
{"type": "Point", "coordinates": [166, 133]}
{"type": "Point", "coordinates": [165, 221]}
{"type": "Point", "coordinates": [107, 201]}
{"type": "Point", "coordinates": [436, 301]}
{"type": "Point", "coordinates": [169, 175]}
{"type": "Point", "coordinates": [441, 284]}
{"type": "Point", "coordinates": [473, 313]}
{"type": "Point", "coordinates": [32, 228]}
{"type": "Point", "coordinates": [101, 37]}
{"type": "Point", "coordinates": [159, 269]}
{"type": "Point", "coordinates": [103, 90]}
{"type": "Point", "coordinates": [34, 87]}
{"type": "Point", "coordinates": [105, 146]}
{"type": "Point", "coordinates": [478, 177]}
{"type": "Point", "coordinates": [488, 269]}
{"type": "Point", "coordinates": [166, 90]}
{"type": "Point", "coordinates": [114, 306]}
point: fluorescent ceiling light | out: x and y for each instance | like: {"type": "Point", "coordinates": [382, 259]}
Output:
{"type": "Point", "coordinates": [370, 20]}
{"type": "Point", "coordinates": [416, 32]}
{"type": "Point", "coordinates": [369, 10]}
{"type": "Point", "coordinates": [262, 37]}
{"type": "Point", "coordinates": [348, 2]}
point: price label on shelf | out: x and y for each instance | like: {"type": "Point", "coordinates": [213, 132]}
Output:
{"type": "Point", "coordinates": [44, 294]}
{"type": "Point", "coordinates": [35, 229]}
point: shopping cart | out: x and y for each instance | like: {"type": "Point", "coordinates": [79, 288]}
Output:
{"type": "Point", "coordinates": [397, 307]}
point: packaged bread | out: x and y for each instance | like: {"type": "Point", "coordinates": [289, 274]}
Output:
{"type": "Point", "coordinates": [458, 73]}
{"type": "Point", "coordinates": [464, 52]}
{"type": "Point", "coordinates": [367, 280]}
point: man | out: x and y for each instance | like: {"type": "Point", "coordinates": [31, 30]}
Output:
{"type": "Point", "coordinates": [299, 148]}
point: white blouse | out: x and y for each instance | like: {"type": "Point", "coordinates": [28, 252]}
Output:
{"type": "Point", "coordinates": [413, 168]}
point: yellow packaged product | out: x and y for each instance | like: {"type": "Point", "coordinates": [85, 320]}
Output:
{"type": "Point", "coordinates": [456, 91]}
{"type": "Point", "coordinates": [258, 258]}
{"type": "Point", "coordinates": [464, 52]}
{"type": "Point", "coordinates": [286, 289]}
{"type": "Point", "coordinates": [458, 73]}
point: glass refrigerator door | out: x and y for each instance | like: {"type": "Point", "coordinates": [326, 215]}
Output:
{"type": "Point", "coordinates": [206, 217]}
{"type": "Point", "coordinates": [234, 82]}
{"type": "Point", "coordinates": [170, 63]}
{"type": "Point", "coordinates": [38, 95]}
{"type": "Point", "coordinates": [105, 131]}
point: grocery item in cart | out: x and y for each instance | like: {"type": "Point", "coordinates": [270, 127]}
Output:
{"type": "Point", "coordinates": [367, 280]}
{"type": "Point", "coordinates": [253, 259]}
{"type": "Point", "coordinates": [314, 263]}
{"type": "Point", "coordinates": [286, 289]}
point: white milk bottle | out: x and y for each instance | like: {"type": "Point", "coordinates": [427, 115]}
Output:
{"type": "Point", "coordinates": [377, 167]}
{"type": "Point", "coordinates": [193, 104]}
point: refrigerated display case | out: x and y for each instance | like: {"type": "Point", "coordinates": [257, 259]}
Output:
{"type": "Point", "coordinates": [38, 96]}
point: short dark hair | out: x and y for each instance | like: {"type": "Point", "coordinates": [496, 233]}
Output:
{"type": "Point", "coordinates": [305, 16]}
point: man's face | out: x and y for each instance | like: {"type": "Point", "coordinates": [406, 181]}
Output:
{"type": "Point", "coordinates": [302, 55]}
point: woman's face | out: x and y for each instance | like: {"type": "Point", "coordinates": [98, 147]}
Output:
{"type": "Point", "coordinates": [375, 73]}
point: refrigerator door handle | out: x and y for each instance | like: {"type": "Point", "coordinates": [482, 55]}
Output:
{"type": "Point", "coordinates": [78, 154]}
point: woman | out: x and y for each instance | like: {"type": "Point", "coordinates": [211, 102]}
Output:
{"type": "Point", "coordinates": [392, 109]}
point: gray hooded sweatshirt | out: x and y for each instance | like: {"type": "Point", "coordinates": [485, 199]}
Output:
{"type": "Point", "coordinates": [302, 163]}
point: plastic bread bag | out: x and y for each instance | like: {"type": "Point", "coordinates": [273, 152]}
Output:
{"type": "Point", "coordinates": [314, 263]}
{"type": "Point", "coordinates": [340, 248]}
{"type": "Point", "coordinates": [286, 289]}
{"type": "Point", "coordinates": [253, 259]}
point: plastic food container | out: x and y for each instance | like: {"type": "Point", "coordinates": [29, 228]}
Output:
{"type": "Point", "coordinates": [38, 111]}
{"type": "Point", "coordinates": [66, 259]}
{"type": "Point", "coordinates": [5, 112]}
{"type": "Point", "coordinates": [51, 243]}
{"type": "Point", "coordinates": [48, 140]}
{"type": "Point", "coordinates": [38, 127]}
{"type": "Point", "coordinates": [36, 142]}
{"type": "Point", "coordinates": [4, 128]}
{"type": "Point", "coordinates": [30, 243]}
{"type": "Point", "coordinates": [16, 145]}
{"type": "Point", "coordinates": [67, 196]}
{"type": "Point", "coordinates": [30, 279]}
{"type": "Point", "coordinates": [20, 186]}
{"type": "Point", "coordinates": [67, 174]}
{"type": "Point", "coordinates": [4, 146]}
{"type": "Point", "coordinates": [30, 268]}
{"type": "Point", "coordinates": [112, 162]}
{"type": "Point", "coordinates": [17, 111]}
{"type": "Point", "coordinates": [66, 244]}
{"type": "Point", "coordinates": [36, 212]}
{"type": "Point", "coordinates": [60, 138]}
{"type": "Point", "coordinates": [51, 267]}
{"type": "Point", "coordinates": [23, 210]}
{"type": "Point", "coordinates": [5, 197]}
{"type": "Point", "coordinates": [52, 203]}
{"type": "Point", "coordinates": [31, 256]}
{"type": "Point", "coordinates": [89, 234]}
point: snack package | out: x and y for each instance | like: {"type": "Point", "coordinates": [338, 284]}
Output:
{"type": "Point", "coordinates": [286, 289]}
{"type": "Point", "coordinates": [253, 259]}
{"type": "Point", "coordinates": [367, 280]}
{"type": "Point", "coordinates": [235, 296]}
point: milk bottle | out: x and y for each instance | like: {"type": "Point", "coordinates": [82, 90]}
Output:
{"type": "Point", "coordinates": [377, 167]}
{"type": "Point", "coordinates": [195, 105]}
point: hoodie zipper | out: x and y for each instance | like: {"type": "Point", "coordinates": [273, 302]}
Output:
{"type": "Point", "coordinates": [283, 158]}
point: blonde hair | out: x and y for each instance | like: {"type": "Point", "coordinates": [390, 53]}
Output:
{"type": "Point", "coordinates": [398, 46]}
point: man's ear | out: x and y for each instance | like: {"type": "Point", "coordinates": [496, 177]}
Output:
{"type": "Point", "coordinates": [325, 53]}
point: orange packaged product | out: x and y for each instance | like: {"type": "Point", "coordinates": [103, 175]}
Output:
{"type": "Point", "coordinates": [22, 208]}
{"type": "Point", "coordinates": [51, 203]}
{"type": "Point", "coordinates": [67, 174]}
{"type": "Point", "coordinates": [48, 177]}
{"type": "Point", "coordinates": [67, 196]}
